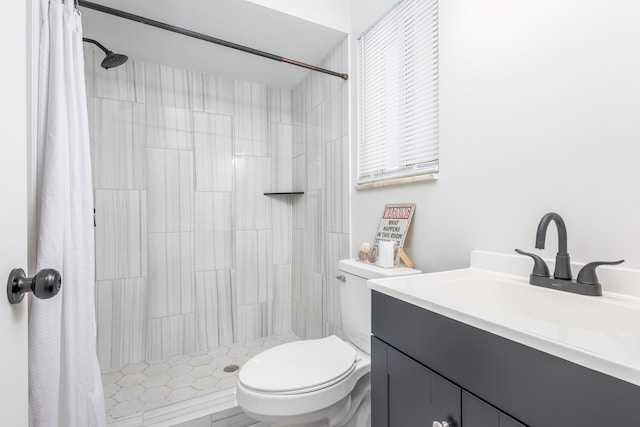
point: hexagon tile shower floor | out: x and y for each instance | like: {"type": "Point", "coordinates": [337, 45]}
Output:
{"type": "Point", "coordinates": [138, 387]}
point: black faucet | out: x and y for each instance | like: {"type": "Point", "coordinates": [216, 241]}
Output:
{"type": "Point", "coordinates": [587, 282]}
{"type": "Point", "coordinates": [563, 263]}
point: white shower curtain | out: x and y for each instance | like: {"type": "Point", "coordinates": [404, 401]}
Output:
{"type": "Point", "coordinates": [65, 388]}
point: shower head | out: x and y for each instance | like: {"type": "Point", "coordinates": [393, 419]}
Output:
{"type": "Point", "coordinates": [112, 59]}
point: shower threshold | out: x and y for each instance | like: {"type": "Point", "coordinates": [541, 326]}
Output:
{"type": "Point", "coordinates": [181, 388]}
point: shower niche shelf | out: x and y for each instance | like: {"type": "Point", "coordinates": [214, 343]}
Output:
{"type": "Point", "coordinates": [284, 193]}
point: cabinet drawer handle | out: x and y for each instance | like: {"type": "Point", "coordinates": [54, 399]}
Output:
{"type": "Point", "coordinates": [341, 277]}
{"type": "Point", "coordinates": [440, 424]}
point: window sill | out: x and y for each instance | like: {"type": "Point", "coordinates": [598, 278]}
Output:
{"type": "Point", "coordinates": [397, 181]}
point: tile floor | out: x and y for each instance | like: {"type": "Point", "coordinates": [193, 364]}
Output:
{"type": "Point", "coordinates": [139, 387]}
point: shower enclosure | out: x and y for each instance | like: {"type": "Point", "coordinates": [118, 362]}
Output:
{"type": "Point", "coordinates": [196, 268]}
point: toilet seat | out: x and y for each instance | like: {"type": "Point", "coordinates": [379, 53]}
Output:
{"type": "Point", "coordinates": [294, 407]}
{"type": "Point", "coordinates": [299, 367]}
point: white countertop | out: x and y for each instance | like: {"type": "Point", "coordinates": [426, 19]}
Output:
{"type": "Point", "coordinates": [601, 333]}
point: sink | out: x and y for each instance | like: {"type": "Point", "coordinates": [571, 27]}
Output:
{"type": "Point", "coordinates": [537, 305]}
{"type": "Point", "coordinates": [600, 333]}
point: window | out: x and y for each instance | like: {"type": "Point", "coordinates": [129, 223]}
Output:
{"type": "Point", "coordinates": [399, 96]}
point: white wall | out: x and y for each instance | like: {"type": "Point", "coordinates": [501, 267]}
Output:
{"type": "Point", "coordinates": [364, 13]}
{"type": "Point", "coordinates": [330, 13]}
{"type": "Point", "coordinates": [540, 110]}
{"type": "Point", "coordinates": [15, 39]}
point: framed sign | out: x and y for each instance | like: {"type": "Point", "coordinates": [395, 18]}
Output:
{"type": "Point", "coordinates": [395, 223]}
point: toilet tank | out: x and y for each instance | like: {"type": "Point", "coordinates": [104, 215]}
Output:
{"type": "Point", "coordinates": [355, 298]}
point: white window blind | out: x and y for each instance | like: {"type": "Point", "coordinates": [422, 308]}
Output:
{"type": "Point", "coordinates": [399, 94]}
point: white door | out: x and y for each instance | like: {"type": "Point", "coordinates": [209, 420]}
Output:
{"type": "Point", "coordinates": [13, 209]}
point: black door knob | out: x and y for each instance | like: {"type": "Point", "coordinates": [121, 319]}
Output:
{"type": "Point", "coordinates": [45, 284]}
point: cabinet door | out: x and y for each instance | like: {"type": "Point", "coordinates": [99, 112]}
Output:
{"type": "Point", "coordinates": [446, 403]}
{"type": "Point", "coordinates": [379, 384]}
{"type": "Point", "coordinates": [477, 413]}
{"type": "Point", "coordinates": [406, 393]}
{"type": "Point", "coordinates": [409, 388]}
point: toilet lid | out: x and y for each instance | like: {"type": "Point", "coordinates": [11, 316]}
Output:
{"type": "Point", "coordinates": [299, 366]}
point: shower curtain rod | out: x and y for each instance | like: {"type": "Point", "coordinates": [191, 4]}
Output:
{"type": "Point", "coordinates": [189, 33]}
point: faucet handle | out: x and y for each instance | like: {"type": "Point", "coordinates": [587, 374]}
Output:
{"type": "Point", "coordinates": [539, 266]}
{"type": "Point", "coordinates": [588, 276]}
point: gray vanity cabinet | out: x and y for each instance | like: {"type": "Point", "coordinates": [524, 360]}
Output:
{"type": "Point", "coordinates": [407, 393]}
{"type": "Point", "coordinates": [430, 368]}
{"type": "Point", "coordinates": [477, 413]}
{"type": "Point", "coordinates": [412, 394]}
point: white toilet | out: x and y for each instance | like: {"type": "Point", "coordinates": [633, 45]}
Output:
{"type": "Point", "coordinates": [320, 382]}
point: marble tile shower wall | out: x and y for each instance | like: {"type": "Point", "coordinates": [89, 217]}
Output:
{"type": "Point", "coordinates": [320, 217]}
{"type": "Point", "coordinates": [189, 252]}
